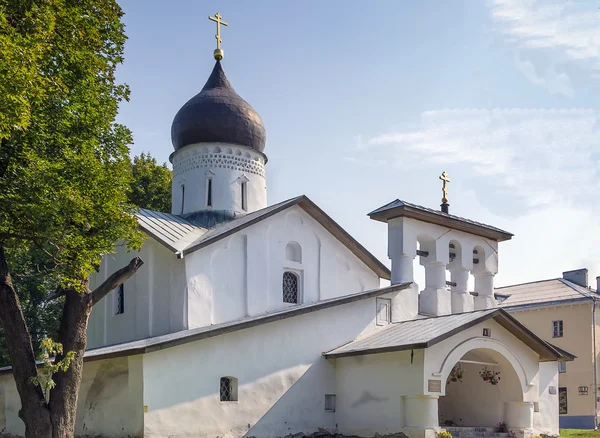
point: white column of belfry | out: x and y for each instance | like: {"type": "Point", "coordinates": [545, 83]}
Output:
{"type": "Point", "coordinates": [462, 301]}
{"type": "Point", "coordinates": [435, 298]}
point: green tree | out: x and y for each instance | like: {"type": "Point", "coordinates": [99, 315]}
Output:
{"type": "Point", "coordinates": [64, 177]}
{"type": "Point", "coordinates": [151, 186]}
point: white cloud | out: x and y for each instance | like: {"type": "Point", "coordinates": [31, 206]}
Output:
{"type": "Point", "coordinates": [563, 31]}
{"type": "Point", "coordinates": [535, 156]}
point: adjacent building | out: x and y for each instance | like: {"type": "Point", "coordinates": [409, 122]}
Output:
{"type": "Point", "coordinates": [563, 311]}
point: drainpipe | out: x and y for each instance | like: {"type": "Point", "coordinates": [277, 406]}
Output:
{"type": "Point", "coordinates": [595, 369]}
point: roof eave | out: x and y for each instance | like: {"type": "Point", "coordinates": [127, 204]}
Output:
{"type": "Point", "coordinates": [425, 216]}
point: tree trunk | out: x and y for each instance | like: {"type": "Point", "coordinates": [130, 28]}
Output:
{"type": "Point", "coordinates": [34, 412]}
{"type": "Point", "coordinates": [73, 336]}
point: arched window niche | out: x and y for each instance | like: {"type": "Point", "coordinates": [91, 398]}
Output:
{"type": "Point", "coordinates": [228, 389]}
{"type": "Point", "coordinates": [293, 252]}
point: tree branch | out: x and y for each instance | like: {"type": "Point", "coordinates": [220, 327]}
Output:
{"type": "Point", "coordinates": [116, 279]}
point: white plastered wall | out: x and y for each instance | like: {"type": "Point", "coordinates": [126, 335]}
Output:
{"type": "Point", "coordinates": [109, 404]}
{"type": "Point", "coordinates": [154, 297]}
{"type": "Point", "coordinates": [282, 377]}
{"type": "Point", "coordinates": [241, 275]}
{"type": "Point", "coordinates": [228, 165]}
{"type": "Point", "coordinates": [546, 420]}
{"type": "Point", "coordinates": [371, 391]}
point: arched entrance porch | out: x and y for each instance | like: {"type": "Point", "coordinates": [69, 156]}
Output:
{"type": "Point", "coordinates": [484, 390]}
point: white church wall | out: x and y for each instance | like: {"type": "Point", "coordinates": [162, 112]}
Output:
{"type": "Point", "coordinates": [546, 420]}
{"type": "Point", "coordinates": [228, 166]}
{"type": "Point", "coordinates": [370, 391]}
{"type": "Point", "coordinates": [282, 377]}
{"type": "Point", "coordinates": [154, 298]}
{"type": "Point", "coordinates": [241, 275]}
{"type": "Point", "coordinates": [110, 400]}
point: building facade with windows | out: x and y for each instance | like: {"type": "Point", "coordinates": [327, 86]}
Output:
{"type": "Point", "coordinates": [562, 311]}
{"type": "Point", "coordinates": [258, 320]}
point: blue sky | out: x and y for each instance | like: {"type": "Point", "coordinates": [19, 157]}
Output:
{"type": "Point", "coordinates": [366, 102]}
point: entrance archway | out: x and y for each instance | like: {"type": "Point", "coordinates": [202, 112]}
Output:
{"type": "Point", "coordinates": [479, 390]}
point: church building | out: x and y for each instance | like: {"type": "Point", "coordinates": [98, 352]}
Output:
{"type": "Point", "coordinates": [256, 320]}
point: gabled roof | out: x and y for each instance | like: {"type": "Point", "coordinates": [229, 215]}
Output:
{"type": "Point", "coordinates": [171, 230]}
{"type": "Point", "coordinates": [424, 333]}
{"type": "Point", "coordinates": [556, 290]}
{"type": "Point", "coordinates": [180, 235]}
{"type": "Point", "coordinates": [185, 336]}
{"type": "Point", "coordinates": [400, 208]}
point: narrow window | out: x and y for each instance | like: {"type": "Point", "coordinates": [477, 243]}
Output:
{"type": "Point", "coordinates": [329, 402]}
{"type": "Point", "coordinates": [290, 288]}
{"type": "Point", "coordinates": [383, 311]}
{"type": "Point", "coordinates": [228, 389]}
{"type": "Point", "coordinates": [562, 367]}
{"type": "Point", "coordinates": [182, 197]}
{"type": "Point", "coordinates": [557, 329]}
{"type": "Point", "coordinates": [120, 300]}
{"type": "Point", "coordinates": [244, 196]}
{"type": "Point", "coordinates": [209, 192]}
{"type": "Point", "coordinates": [562, 401]}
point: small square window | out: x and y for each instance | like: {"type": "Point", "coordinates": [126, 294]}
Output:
{"type": "Point", "coordinates": [557, 329]}
{"type": "Point", "coordinates": [562, 367]}
{"type": "Point", "coordinates": [329, 402]}
{"type": "Point", "coordinates": [228, 389]}
{"type": "Point", "coordinates": [487, 332]}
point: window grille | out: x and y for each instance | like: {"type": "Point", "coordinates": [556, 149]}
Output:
{"type": "Point", "coordinates": [290, 288]}
{"type": "Point", "coordinates": [562, 367]}
{"type": "Point", "coordinates": [562, 401]}
{"type": "Point", "coordinates": [120, 300]}
{"type": "Point", "coordinates": [228, 389]}
{"type": "Point", "coordinates": [557, 329]}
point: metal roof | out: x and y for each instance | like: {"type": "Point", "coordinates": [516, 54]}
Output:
{"type": "Point", "coordinates": [171, 230]}
{"type": "Point", "coordinates": [185, 336]}
{"type": "Point", "coordinates": [179, 234]}
{"type": "Point", "coordinates": [424, 333]}
{"type": "Point", "coordinates": [555, 290]}
{"type": "Point", "coordinates": [400, 208]}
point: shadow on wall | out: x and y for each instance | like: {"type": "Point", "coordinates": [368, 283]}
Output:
{"type": "Point", "coordinates": [301, 409]}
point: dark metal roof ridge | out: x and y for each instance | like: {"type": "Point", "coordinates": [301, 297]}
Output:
{"type": "Point", "coordinates": [154, 344]}
{"type": "Point", "coordinates": [322, 218]}
{"type": "Point", "coordinates": [390, 211]}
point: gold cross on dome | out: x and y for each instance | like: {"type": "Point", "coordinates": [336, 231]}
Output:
{"type": "Point", "coordinates": [445, 180]}
{"type": "Point", "coordinates": [217, 19]}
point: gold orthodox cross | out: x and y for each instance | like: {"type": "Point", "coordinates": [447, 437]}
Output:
{"type": "Point", "coordinates": [445, 180]}
{"type": "Point", "coordinates": [217, 19]}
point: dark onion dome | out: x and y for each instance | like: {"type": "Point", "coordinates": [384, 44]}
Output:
{"type": "Point", "coordinates": [218, 115]}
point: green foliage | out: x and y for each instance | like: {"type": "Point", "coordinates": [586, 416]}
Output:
{"type": "Point", "coordinates": [50, 350]}
{"type": "Point", "coordinates": [151, 186]}
{"type": "Point", "coordinates": [64, 165]}
{"type": "Point", "coordinates": [443, 434]}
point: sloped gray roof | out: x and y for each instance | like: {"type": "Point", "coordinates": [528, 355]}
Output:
{"type": "Point", "coordinates": [180, 235]}
{"type": "Point", "coordinates": [171, 230]}
{"type": "Point", "coordinates": [424, 333]}
{"type": "Point", "coordinates": [537, 293]}
{"type": "Point", "coordinates": [400, 208]}
{"type": "Point", "coordinates": [185, 336]}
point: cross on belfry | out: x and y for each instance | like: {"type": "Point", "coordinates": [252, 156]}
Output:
{"type": "Point", "coordinates": [445, 180]}
{"type": "Point", "coordinates": [217, 19]}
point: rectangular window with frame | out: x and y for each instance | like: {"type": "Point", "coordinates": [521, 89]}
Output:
{"type": "Point", "coordinates": [120, 300]}
{"type": "Point", "coordinates": [383, 311]}
{"type": "Point", "coordinates": [557, 329]}
{"type": "Point", "coordinates": [329, 402]}
{"type": "Point", "coordinates": [209, 192]}
{"type": "Point", "coordinates": [244, 194]}
{"type": "Point", "coordinates": [562, 401]}
{"type": "Point", "coordinates": [562, 367]}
